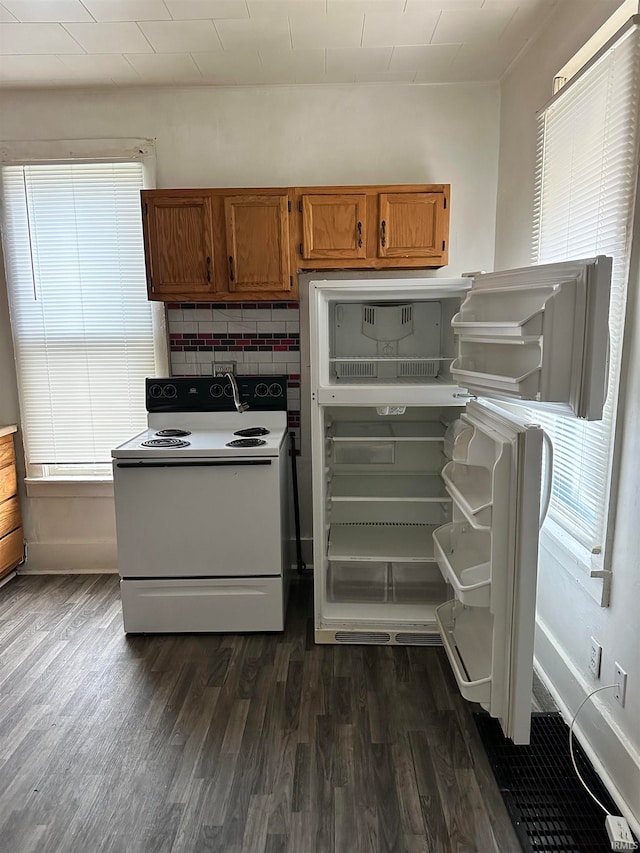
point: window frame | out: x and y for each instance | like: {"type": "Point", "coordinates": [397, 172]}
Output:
{"type": "Point", "coordinates": [44, 480]}
{"type": "Point", "coordinates": [592, 570]}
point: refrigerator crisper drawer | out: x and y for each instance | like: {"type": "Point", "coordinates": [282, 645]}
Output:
{"type": "Point", "coordinates": [391, 582]}
{"type": "Point", "coordinates": [467, 634]}
{"type": "Point", "coordinates": [219, 605]}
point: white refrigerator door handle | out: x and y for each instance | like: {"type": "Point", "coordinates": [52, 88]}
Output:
{"type": "Point", "coordinates": [548, 482]}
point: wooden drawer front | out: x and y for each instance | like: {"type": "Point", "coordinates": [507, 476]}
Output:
{"type": "Point", "coordinates": [7, 453]}
{"type": "Point", "coordinates": [11, 551]}
{"type": "Point", "coordinates": [8, 482]}
{"type": "Point", "coordinates": [10, 517]}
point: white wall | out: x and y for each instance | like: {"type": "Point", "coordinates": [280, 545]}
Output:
{"type": "Point", "coordinates": [567, 614]}
{"type": "Point", "coordinates": [279, 136]}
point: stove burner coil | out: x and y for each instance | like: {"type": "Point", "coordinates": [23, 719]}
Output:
{"type": "Point", "coordinates": [246, 442]}
{"type": "Point", "coordinates": [251, 432]}
{"type": "Point", "coordinates": [173, 433]}
{"type": "Point", "coordinates": [165, 442]}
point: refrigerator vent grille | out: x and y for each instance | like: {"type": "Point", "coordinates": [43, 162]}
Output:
{"type": "Point", "coordinates": [362, 637]}
{"type": "Point", "coordinates": [419, 639]}
{"type": "Point", "coordinates": [356, 369]}
{"type": "Point", "coordinates": [419, 368]}
{"type": "Point", "coordinates": [369, 314]}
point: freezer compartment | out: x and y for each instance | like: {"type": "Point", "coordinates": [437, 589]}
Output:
{"type": "Point", "coordinates": [392, 582]}
{"type": "Point", "coordinates": [382, 341]}
{"type": "Point", "coordinates": [463, 555]}
{"type": "Point", "coordinates": [467, 634]}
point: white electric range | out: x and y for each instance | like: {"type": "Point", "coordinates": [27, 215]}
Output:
{"type": "Point", "coordinates": [201, 501]}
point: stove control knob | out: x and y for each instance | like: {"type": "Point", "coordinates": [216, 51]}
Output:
{"type": "Point", "coordinates": [275, 390]}
{"type": "Point", "coordinates": [169, 391]}
{"type": "Point", "coordinates": [155, 391]}
{"type": "Point", "coordinates": [262, 390]}
{"type": "Point", "coordinates": [216, 390]}
{"type": "Point", "coordinates": [228, 390]}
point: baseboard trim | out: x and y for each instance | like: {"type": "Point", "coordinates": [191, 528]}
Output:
{"type": "Point", "coordinates": [45, 558]}
{"type": "Point", "coordinates": [615, 760]}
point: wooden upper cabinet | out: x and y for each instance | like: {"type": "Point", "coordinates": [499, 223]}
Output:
{"type": "Point", "coordinates": [257, 232]}
{"type": "Point", "coordinates": [178, 234]}
{"type": "Point", "coordinates": [246, 243]}
{"type": "Point", "coordinates": [412, 225]}
{"type": "Point", "coordinates": [334, 226]}
{"type": "Point", "coordinates": [401, 226]}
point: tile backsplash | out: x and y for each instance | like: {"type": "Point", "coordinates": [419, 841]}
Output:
{"type": "Point", "coordinates": [259, 337]}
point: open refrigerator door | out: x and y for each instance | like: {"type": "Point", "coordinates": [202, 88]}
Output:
{"type": "Point", "coordinates": [538, 333]}
{"type": "Point", "coordinates": [488, 554]}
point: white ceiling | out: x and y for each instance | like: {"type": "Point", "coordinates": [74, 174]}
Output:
{"type": "Point", "coordinates": [242, 42]}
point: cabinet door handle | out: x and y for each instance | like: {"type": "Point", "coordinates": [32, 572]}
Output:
{"type": "Point", "coordinates": [383, 233]}
{"type": "Point", "coordinates": [231, 273]}
{"type": "Point", "coordinates": [359, 235]}
{"type": "Point", "coordinates": [208, 269]}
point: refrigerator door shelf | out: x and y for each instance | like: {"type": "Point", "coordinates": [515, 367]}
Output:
{"type": "Point", "coordinates": [471, 488]}
{"type": "Point", "coordinates": [467, 643]}
{"type": "Point", "coordinates": [460, 558]}
{"type": "Point", "coordinates": [521, 386]}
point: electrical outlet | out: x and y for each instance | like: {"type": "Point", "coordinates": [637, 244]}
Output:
{"type": "Point", "coordinates": [620, 679]}
{"type": "Point", "coordinates": [219, 368]}
{"type": "Point", "coordinates": [595, 657]}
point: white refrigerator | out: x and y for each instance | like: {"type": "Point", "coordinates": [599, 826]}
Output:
{"type": "Point", "coordinates": [427, 492]}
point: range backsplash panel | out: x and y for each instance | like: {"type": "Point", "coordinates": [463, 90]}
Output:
{"type": "Point", "coordinates": [259, 337]}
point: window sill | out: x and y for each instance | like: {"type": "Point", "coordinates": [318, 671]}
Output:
{"type": "Point", "coordinates": [69, 487]}
{"type": "Point", "coordinates": [570, 555]}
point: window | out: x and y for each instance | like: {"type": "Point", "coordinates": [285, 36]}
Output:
{"type": "Point", "coordinates": [82, 326]}
{"type": "Point", "coordinates": [587, 170]}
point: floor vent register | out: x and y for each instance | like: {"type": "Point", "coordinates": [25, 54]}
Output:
{"type": "Point", "coordinates": [548, 807]}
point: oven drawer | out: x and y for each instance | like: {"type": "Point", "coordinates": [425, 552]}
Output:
{"type": "Point", "coordinates": [199, 518]}
{"type": "Point", "coordinates": [220, 605]}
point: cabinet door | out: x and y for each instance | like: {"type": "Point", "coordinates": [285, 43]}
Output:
{"type": "Point", "coordinates": [412, 225]}
{"type": "Point", "coordinates": [178, 245]}
{"type": "Point", "coordinates": [257, 229]}
{"type": "Point", "coordinates": [333, 226]}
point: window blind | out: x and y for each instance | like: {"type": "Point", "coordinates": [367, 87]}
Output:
{"type": "Point", "coordinates": [81, 322]}
{"type": "Point", "coordinates": [586, 175]}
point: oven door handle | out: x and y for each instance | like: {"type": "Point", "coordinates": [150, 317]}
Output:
{"type": "Point", "coordinates": [196, 464]}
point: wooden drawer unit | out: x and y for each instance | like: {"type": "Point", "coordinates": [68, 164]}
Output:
{"type": "Point", "coordinates": [11, 535]}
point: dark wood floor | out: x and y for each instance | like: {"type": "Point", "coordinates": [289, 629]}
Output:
{"type": "Point", "coordinates": [229, 743]}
